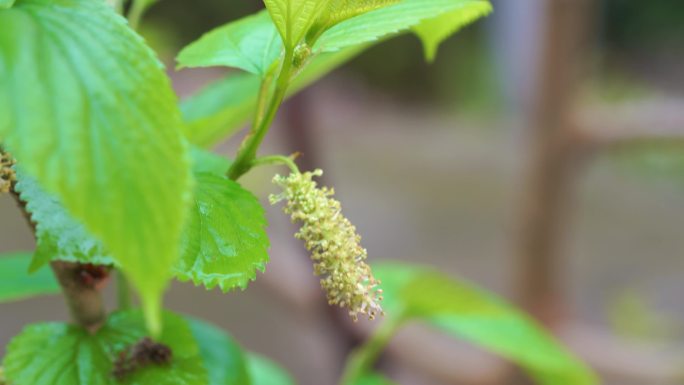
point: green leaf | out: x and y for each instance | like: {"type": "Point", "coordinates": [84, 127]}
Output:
{"type": "Point", "coordinates": [58, 235]}
{"type": "Point", "coordinates": [467, 312]}
{"type": "Point", "coordinates": [86, 109]}
{"type": "Point", "coordinates": [265, 372]}
{"type": "Point", "coordinates": [61, 354]}
{"type": "Point", "coordinates": [341, 10]}
{"type": "Point", "coordinates": [222, 356]}
{"type": "Point", "coordinates": [434, 31]}
{"type": "Point", "coordinates": [391, 20]}
{"type": "Point", "coordinates": [294, 18]}
{"type": "Point", "coordinates": [220, 109]}
{"type": "Point", "coordinates": [17, 284]}
{"type": "Point", "coordinates": [225, 241]}
{"type": "Point", "coordinates": [251, 44]}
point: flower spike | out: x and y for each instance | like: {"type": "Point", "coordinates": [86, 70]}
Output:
{"type": "Point", "coordinates": [333, 242]}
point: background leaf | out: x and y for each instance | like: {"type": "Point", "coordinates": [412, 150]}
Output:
{"type": "Point", "coordinates": [434, 31]}
{"type": "Point", "coordinates": [87, 110]}
{"type": "Point", "coordinates": [294, 18]}
{"type": "Point", "coordinates": [61, 354]}
{"type": "Point", "coordinates": [222, 356]}
{"type": "Point", "coordinates": [467, 312]}
{"type": "Point", "coordinates": [17, 284]}
{"type": "Point", "coordinates": [391, 20]}
{"type": "Point", "coordinates": [251, 44]}
{"type": "Point", "coordinates": [265, 372]}
{"type": "Point", "coordinates": [58, 235]}
{"type": "Point", "coordinates": [222, 108]}
{"type": "Point", "coordinates": [209, 162]}
{"type": "Point", "coordinates": [225, 241]}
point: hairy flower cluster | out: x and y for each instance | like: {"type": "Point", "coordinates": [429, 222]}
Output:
{"type": "Point", "coordinates": [7, 175]}
{"type": "Point", "coordinates": [333, 242]}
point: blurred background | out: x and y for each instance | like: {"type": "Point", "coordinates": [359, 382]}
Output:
{"type": "Point", "coordinates": [540, 156]}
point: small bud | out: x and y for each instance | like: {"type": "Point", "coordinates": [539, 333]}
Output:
{"type": "Point", "coordinates": [333, 242]}
{"type": "Point", "coordinates": [7, 174]}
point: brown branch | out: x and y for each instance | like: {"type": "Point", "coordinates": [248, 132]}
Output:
{"type": "Point", "coordinates": [81, 283]}
{"type": "Point", "coordinates": [82, 295]}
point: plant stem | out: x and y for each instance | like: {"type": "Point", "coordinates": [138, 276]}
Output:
{"type": "Point", "coordinates": [250, 145]}
{"type": "Point", "coordinates": [85, 303]}
{"type": "Point", "coordinates": [123, 291]}
{"type": "Point", "coordinates": [363, 358]}
{"type": "Point", "coordinates": [276, 160]}
{"type": "Point", "coordinates": [138, 8]}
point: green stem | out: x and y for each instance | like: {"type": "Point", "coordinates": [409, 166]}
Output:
{"type": "Point", "coordinates": [138, 8]}
{"type": "Point", "coordinates": [276, 160]}
{"type": "Point", "coordinates": [250, 145]}
{"type": "Point", "coordinates": [363, 358]}
{"type": "Point", "coordinates": [117, 5]}
{"type": "Point", "coordinates": [123, 291]}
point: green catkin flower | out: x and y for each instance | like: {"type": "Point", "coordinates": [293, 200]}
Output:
{"type": "Point", "coordinates": [7, 175]}
{"type": "Point", "coordinates": [333, 242]}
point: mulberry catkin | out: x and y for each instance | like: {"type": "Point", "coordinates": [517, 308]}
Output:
{"type": "Point", "coordinates": [333, 242]}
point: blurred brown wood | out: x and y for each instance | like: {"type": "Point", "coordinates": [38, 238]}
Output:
{"type": "Point", "coordinates": [548, 189]}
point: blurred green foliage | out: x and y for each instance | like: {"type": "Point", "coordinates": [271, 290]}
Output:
{"type": "Point", "coordinates": [632, 24]}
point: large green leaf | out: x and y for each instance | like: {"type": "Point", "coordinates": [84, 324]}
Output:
{"type": "Point", "coordinates": [222, 356]}
{"type": "Point", "coordinates": [86, 108]}
{"type": "Point", "coordinates": [58, 235]}
{"type": "Point", "coordinates": [16, 283]}
{"type": "Point", "coordinates": [294, 18]}
{"type": "Point", "coordinates": [225, 242]}
{"type": "Point", "coordinates": [251, 44]}
{"type": "Point", "coordinates": [61, 354]}
{"type": "Point", "coordinates": [393, 19]}
{"type": "Point", "coordinates": [467, 312]}
{"type": "Point", "coordinates": [434, 31]}
{"type": "Point", "coordinates": [265, 372]}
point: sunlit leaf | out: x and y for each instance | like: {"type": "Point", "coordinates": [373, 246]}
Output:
{"type": "Point", "coordinates": [434, 31]}
{"type": "Point", "coordinates": [341, 10]}
{"type": "Point", "coordinates": [391, 20]}
{"type": "Point", "coordinates": [225, 242]}
{"type": "Point", "coordinates": [294, 18]}
{"type": "Point", "coordinates": [86, 109]}
{"type": "Point", "coordinates": [251, 44]}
